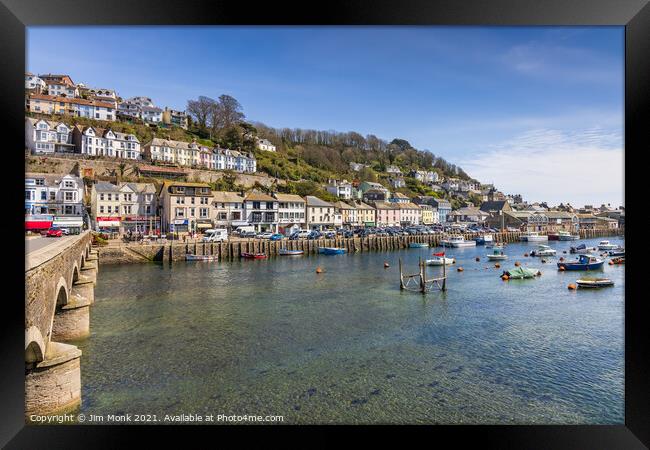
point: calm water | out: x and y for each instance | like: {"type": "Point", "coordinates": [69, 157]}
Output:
{"type": "Point", "coordinates": [347, 346]}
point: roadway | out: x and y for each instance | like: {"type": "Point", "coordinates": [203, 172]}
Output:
{"type": "Point", "coordinates": [40, 242]}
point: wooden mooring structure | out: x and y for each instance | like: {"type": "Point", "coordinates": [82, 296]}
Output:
{"type": "Point", "coordinates": [424, 285]}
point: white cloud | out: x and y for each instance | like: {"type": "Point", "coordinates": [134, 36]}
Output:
{"type": "Point", "coordinates": [584, 167]}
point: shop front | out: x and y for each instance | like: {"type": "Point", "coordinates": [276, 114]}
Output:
{"type": "Point", "coordinates": [179, 226]}
{"type": "Point", "coordinates": [146, 225]}
{"type": "Point", "coordinates": [73, 223]}
{"type": "Point", "coordinates": [38, 222]}
{"type": "Point", "coordinates": [107, 224]}
{"type": "Point", "coordinates": [203, 224]}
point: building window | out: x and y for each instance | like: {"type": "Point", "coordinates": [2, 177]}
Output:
{"type": "Point", "coordinates": [69, 196]}
{"type": "Point", "coordinates": [101, 209]}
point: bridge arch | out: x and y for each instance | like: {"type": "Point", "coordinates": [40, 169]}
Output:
{"type": "Point", "coordinates": [75, 273]}
{"type": "Point", "coordinates": [34, 345]}
{"type": "Point", "coordinates": [61, 293]}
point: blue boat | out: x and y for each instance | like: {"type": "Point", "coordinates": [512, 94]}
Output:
{"type": "Point", "coordinates": [418, 245]}
{"type": "Point", "coordinates": [584, 262]}
{"type": "Point", "coordinates": [331, 250]}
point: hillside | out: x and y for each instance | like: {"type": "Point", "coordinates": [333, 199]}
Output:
{"type": "Point", "coordinates": [306, 159]}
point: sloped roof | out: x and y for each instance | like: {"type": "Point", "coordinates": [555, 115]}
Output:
{"type": "Point", "coordinates": [227, 197]}
{"type": "Point", "coordinates": [289, 198]}
{"type": "Point", "coordinates": [259, 197]}
{"type": "Point", "coordinates": [494, 205]}
{"type": "Point", "coordinates": [315, 201]}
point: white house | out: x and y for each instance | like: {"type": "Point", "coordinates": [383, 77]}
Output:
{"type": "Point", "coordinates": [261, 211]}
{"type": "Point", "coordinates": [55, 194]}
{"type": "Point", "coordinates": [151, 114]}
{"type": "Point", "coordinates": [393, 170]}
{"type": "Point", "coordinates": [46, 137]}
{"type": "Point", "coordinates": [341, 189]}
{"type": "Point", "coordinates": [291, 213]}
{"type": "Point", "coordinates": [33, 82]}
{"type": "Point", "coordinates": [265, 144]}
{"type": "Point", "coordinates": [106, 142]}
{"type": "Point", "coordinates": [59, 89]}
{"type": "Point", "coordinates": [320, 214]}
{"type": "Point", "coordinates": [228, 210]}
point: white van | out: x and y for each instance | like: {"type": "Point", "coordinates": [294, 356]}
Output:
{"type": "Point", "coordinates": [245, 229]}
{"type": "Point", "coordinates": [216, 235]}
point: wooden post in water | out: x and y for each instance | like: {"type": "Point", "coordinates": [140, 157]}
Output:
{"type": "Point", "coordinates": [423, 280]}
{"type": "Point", "coordinates": [401, 276]}
{"type": "Point", "coordinates": [444, 272]}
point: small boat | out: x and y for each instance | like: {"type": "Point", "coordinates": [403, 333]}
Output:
{"type": "Point", "coordinates": [620, 251]}
{"type": "Point", "coordinates": [331, 250]}
{"type": "Point", "coordinates": [553, 236]}
{"type": "Point", "coordinates": [499, 245]}
{"type": "Point", "coordinates": [533, 236]}
{"type": "Point", "coordinates": [439, 259]}
{"type": "Point", "coordinates": [253, 255]}
{"type": "Point", "coordinates": [286, 252]}
{"type": "Point", "coordinates": [543, 250]}
{"type": "Point", "coordinates": [606, 245]}
{"type": "Point", "coordinates": [581, 249]}
{"type": "Point", "coordinates": [519, 273]}
{"type": "Point", "coordinates": [497, 255]}
{"type": "Point", "coordinates": [584, 262]}
{"type": "Point", "coordinates": [618, 260]}
{"type": "Point", "coordinates": [594, 282]}
{"type": "Point", "coordinates": [486, 240]}
{"type": "Point", "coordinates": [418, 245]}
{"type": "Point", "coordinates": [457, 241]}
{"type": "Point", "coordinates": [566, 236]}
{"type": "Point", "coordinates": [201, 257]}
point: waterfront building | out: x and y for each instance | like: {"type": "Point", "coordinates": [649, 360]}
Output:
{"type": "Point", "coordinates": [58, 195]}
{"type": "Point", "coordinates": [320, 214]}
{"type": "Point", "coordinates": [228, 210]}
{"type": "Point", "coordinates": [176, 118]}
{"type": "Point", "coordinates": [442, 206]}
{"type": "Point", "coordinates": [105, 207]}
{"type": "Point", "coordinates": [342, 189]}
{"type": "Point", "coordinates": [388, 214]}
{"type": "Point", "coordinates": [139, 208]}
{"type": "Point", "coordinates": [47, 137]}
{"type": "Point", "coordinates": [410, 214]}
{"type": "Point", "coordinates": [366, 214]}
{"type": "Point", "coordinates": [76, 107]}
{"type": "Point", "coordinates": [265, 144]}
{"type": "Point", "coordinates": [291, 213]}
{"type": "Point", "coordinates": [468, 215]}
{"type": "Point", "coordinates": [93, 141]}
{"type": "Point", "coordinates": [589, 221]}
{"type": "Point", "coordinates": [496, 209]}
{"type": "Point", "coordinates": [562, 221]}
{"type": "Point", "coordinates": [261, 211]}
{"type": "Point", "coordinates": [429, 215]}
{"type": "Point", "coordinates": [184, 206]}
{"type": "Point", "coordinates": [34, 84]}
{"type": "Point", "coordinates": [348, 212]}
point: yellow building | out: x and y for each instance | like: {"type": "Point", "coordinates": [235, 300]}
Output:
{"type": "Point", "coordinates": [366, 215]}
{"type": "Point", "coordinates": [427, 214]}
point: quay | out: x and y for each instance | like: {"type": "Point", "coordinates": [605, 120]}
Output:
{"type": "Point", "coordinates": [124, 253]}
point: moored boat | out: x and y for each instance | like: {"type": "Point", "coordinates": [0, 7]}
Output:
{"type": "Point", "coordinates": [533, 236]}
{"type": "Point", "coordinates": [580, 249]}
{"type": "Point", "coordinates": [553, 236]}
{"type": "Point", "coordinates": [287, 252]}
{"type": "Point", "coordinates": [418, 245]}
{"type": "Point", "coordinates": [485, 239]}
{"type": "Point", "coordinates": [201, 257]}
{"type": "Point", "coordinates": [457, 241]}
{"type": "Point", "coordinates": [594, 282]}
{"type": "Point", "coordinates": [440, 259]}
{"type": "Point", "coordinates": [497, 255]}
{"type": "Point", "coordinates": [566, 236]}
{"type": "Point", "coordinates": [606, 245]}
{"type": "Point", "coordinates": [331, 250]}
{"type": "Point", "coordinates": [519, 273]}
{"type": "Point", "coordinates": [584, 262]}
{"type": "Point", "coordinates": [253, 255]}
{"type": "Point", "coordinates": [543, 250]}
{"type": "Point", "coordinates": [617, 252]}
{"type": "Point", "coordinates": [618, 260]}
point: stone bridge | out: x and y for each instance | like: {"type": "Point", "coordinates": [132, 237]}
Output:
{"type": "Point", "coordinates": [59, 289]}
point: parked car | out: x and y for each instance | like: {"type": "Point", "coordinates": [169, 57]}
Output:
{"type": "Point", "coordinates": [247, 234]}
{"type": "Point", "coordinates": [54, 232]}
{"type": "Point", "coordinates": [314, 235]}
{"type": "Point", "coordinates": [264, 235]}
{"type": "Point", "coordinates": [276, 237]}
{"type": "Point", "coordinates": [329, 234]}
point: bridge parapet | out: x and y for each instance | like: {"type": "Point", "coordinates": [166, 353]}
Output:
{"type": "Point", "coordinates": [59, 282]}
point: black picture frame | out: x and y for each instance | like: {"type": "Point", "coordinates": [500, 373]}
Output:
{"type": "Point", "coordinates": [15, 15]}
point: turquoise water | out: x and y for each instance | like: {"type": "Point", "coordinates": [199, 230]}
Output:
{"type": "Point", "coordinates": [347, 346]}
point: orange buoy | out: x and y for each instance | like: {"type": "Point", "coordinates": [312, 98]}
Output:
{"type": "Point", "coordinates": [571, 286]}
{"type": "Point", "coordinates": [539, 273]}
{"type": "Point", "coordinates": [505, 277]}
{"type": "Point", "coordinates": [386, 265]}
{"type": "Point", "coordinates": [497, 266]}
{"type": "Point", "coordinates": [561, 269]}
{"type": "Point", "coordinates": [611, 263]}
{"type": "Point", "coordinates": [517, 264]}
{"type": "Point", "coordinates": [460, 269]}
{"type": "Point", "coordinates": [526, 254]}
{"type": "Point", "coordinates": [561, 258]}
{"type": "Point", "coordinates": [319, 270]}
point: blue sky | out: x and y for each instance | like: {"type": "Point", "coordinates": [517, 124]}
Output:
{"type": "Point", "coordinates": [536, 110]}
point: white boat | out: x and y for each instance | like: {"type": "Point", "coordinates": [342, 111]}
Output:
{"type": "Point", "coordinates": [533, 236]}
{"type": "Point", "coordinates": [566, 236]}
{"type": "Point", "coordinates": [497, 255]}
{"type": "Point", "coordinates": [594, 282]}
{"type": "Point", "coordinates": [457, 241]}
{"type": "Point", "coordinates": [606, 245]}
{"type": "Point", "coordinates": [190, 257]}
{"type": "Point", "coordinates": [543, 250]}
{"type": "Point", "coordinates": [495, 245]}
{"type": "Point", "coordinates": [440, 259]}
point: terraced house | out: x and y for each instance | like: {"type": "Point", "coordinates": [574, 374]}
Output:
{"type": "Point", "coordinates": [227, 210]}
{"type": "Point", "coordinates": [76, 107]}
{"type": "Point", "coordinates": [291, 213]}
{"type": "Point", "coordinates": [54, 194]}
{"type": "Point", "coordinates": [366, 214]}
{"type": "Point", "coordinates": [184, 206]}
{"type": "Point", "coordinates": [47, 137]}
{"type": "Point", "coordinates": [261, 211]}
{"type": "Point", "coordinates": [94, 141]}
{"type": "Point", "coordinates": [320, 214]}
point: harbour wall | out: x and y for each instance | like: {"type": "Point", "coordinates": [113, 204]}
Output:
{"type": "Point", "coordinates": [126, 253]}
